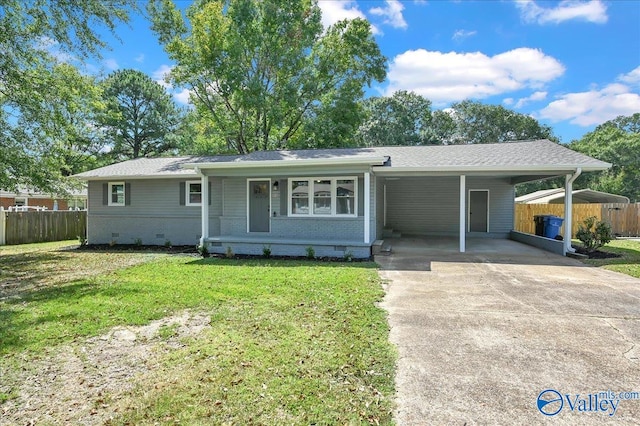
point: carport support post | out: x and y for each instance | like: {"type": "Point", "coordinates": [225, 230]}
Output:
{"type": "Point", "coordinates": [463, 210]}
{"type": "Point", "coordinates": [204, 203]}
{"type": "Point", "coordinates": [367, 207]}
{"type": "Point", "coordinates": [568, 210]}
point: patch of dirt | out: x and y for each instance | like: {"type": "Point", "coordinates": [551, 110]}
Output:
{"type": "Point", "coordinates": [597, 254]}
{"type": "Point", "coordinates": [82, 383]}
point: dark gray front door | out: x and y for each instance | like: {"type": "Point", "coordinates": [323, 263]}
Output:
{"type": "Point", "coordinates": [259, 203]}
{"type": "Point", "coordinates": [478, 211]}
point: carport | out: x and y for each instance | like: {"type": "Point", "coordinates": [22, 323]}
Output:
{"type": "Point", "coordinates": [468, 190]}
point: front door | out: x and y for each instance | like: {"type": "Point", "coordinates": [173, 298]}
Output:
{"type": "Point", "coordinates": [479, 211]}
{"type": "Point", "coordinates": [259, 205]}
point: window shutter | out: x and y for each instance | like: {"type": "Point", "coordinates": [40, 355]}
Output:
{"type": "Point", "coordinates": [127, 194]}
{"type": "Point", "coordinates": [209, 192]}
{"type": "Point", "coordinates": [105, 194]}
{"type": "Point", "coordinates": [183, 193]}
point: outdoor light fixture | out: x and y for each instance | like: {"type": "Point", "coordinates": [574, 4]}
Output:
{"type": "Point", "coordinates": [275, 185]}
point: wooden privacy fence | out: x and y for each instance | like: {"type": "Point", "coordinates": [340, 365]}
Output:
{"type": "Point", "coordinates": [42, 226]}
{"type": "Point", "coordinates": [623, 218]}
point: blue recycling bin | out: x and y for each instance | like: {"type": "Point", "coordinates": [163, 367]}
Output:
{"type": "Point", "coordinates": [552, 226]}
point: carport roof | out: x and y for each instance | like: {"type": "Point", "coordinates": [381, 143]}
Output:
{"type": "Point", "coordinates": [541, 157]}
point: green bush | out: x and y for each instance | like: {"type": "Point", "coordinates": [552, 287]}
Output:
{"type": "Point", "coordinates": [594, 234]}
{"type": "Point", "coordinates": [311, 253]}
{"type": "Point", "coordinates": [266, 252]}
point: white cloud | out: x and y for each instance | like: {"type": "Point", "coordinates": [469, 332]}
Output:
{"type": "Point", "coordinates": [392, 14]}
{"type": "Point", "coordinates": [161, 74]}
{"type": "Point", "coordinates": [459, 35]}
{"type": "Point", "coordinates": [447, 77]}
{"type": "Point", "coordinates": [111, 64]}
{"type": "Point", "coordinates": [594, 106]}
{"type": "Point", "coordinates": [508, 101]}
{"type": "Point", "coordinates": [632, 77]}
{"type": "Point", "coordinates": [139, 58]}
{"type": "Point", "coordinates": [183, 96]}
{"type": "Point", "coordinates": [591, 11]}
{"type": "Point", "coordinates": [52, 47]}
{"type": "Point", "coordinates": [334, 11]}
{"type": "Point", "coordinates": [536, 96]}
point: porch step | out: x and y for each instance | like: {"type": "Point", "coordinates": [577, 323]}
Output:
{"type": "Point", "coordinates": [376, 247]}
{"type": "Point", "coordinates": [387, 232]}
{"type": "Point", "coordinates": [396, 234]}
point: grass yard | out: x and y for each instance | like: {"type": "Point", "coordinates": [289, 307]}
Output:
{"type": "Point", "coordinates": [628, 263]}
{"type": "Point", "coordinates": [288, 342]}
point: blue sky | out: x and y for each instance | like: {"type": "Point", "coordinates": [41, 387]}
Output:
{"type": "Point", "coordinates": [572, 64]}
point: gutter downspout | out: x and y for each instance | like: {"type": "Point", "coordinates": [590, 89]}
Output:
{"type": "Point", "coordinates": [568, 209]}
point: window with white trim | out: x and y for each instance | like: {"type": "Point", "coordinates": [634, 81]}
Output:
{"type": "Point", "coordinates": [193, 193]}
{"type": "Point", "coordinates": [323, 196]}
{"type": "Point", "coordinates": [116, 194]}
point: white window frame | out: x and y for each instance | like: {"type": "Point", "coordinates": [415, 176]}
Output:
{"type": "Point", "coordinates": [187, 185]}
{"type": "Point", "coordinates": [334, 196]}
{"type": "Point", "coordinates": [110, 193]}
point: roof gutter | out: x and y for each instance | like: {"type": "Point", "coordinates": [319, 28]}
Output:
{"type": "Point", "coordinates": [568, 207]}
{"type": "Point", "coordinates": [467, 169]}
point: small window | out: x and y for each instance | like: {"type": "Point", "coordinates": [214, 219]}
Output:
{"type": "Point", "coordinates": [300, 197]}
{"type": "Point", "coordinates": [194, 193]}
{"type": "Point", "coordinates": [116, 194]}
{"type": "Point", "coordinates": [345, 196]}
{"type": "Point", "coordinates": [322, 197]}
{"type": "Point", "coordinates": [20, 202]}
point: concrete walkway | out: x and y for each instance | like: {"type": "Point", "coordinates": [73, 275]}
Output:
{"type": "Point", "coordinates": [480, 335]}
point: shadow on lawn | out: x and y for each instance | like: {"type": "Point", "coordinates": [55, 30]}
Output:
{"type": "Point", "coordinates": [23, 273]}
{"type": "Point", "coordinates": [259, 261]}
{"type": "Point", "coordinates": [20, 328]}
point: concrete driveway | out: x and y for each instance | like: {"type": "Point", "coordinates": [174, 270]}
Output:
{"type": "Point", "coordinates": [480, 335]}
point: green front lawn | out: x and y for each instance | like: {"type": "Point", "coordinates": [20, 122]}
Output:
{"type": "Point", "coordinates": [628, 263]}
{"type": "Point", "coordinates": [290, 342]}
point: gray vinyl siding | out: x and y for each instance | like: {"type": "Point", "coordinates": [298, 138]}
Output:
{"type": "Point", "coordinates": [154, 214]}
{"type": "Point", "coordinates": [430, 205]}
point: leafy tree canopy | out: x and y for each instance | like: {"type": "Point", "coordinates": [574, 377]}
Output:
{"type": "Point", "coordinates": [29, 31]}
{"type": "Point", "coordinates": [260, 71]}
{"type": "Point", "coordinates": [401, 119]}
{"type": "Point", "coordinates": [475, 123]}
{"type": "Point", "coordinates": [616, 142]}
{"type": "Point", "coordinates": [141, 119]}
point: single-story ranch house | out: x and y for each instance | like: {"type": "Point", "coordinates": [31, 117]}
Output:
{"type": "Point", "coordinates": [335, 200]}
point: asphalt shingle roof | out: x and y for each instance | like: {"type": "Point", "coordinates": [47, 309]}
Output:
{"type": "Point", "coordinates": [513, 155]}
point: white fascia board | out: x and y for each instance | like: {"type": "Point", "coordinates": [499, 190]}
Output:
{"type": "Point", "coordinates": [560, 169]}
{"type": "Point", "coordinates": [284, 163]}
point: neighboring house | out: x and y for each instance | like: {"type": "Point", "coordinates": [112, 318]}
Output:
{"type": "Point", "coordinates": [580, 196]}
{"type": "Point", "coordinates": [335, 200]}
{"type": "Point", "coordinates": [25, 198]}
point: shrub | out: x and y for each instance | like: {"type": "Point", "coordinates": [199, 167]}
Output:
{"type": "Point", "coordinates": [137, 242]}
{"type": "Point", "coordinates": [229, 253]}
{"type": "Point", "coordinates": [203, 250]}
{"type": "Point", "coordinates": [348, 256]}
{"type": "Point", "coordinates": [266, 251]}
{"type": "Point", "coordinates": [594, 234]}
{"type": "Point", "coordinates": [311, 253]}
{"type": "Point", "coordinates": [167, 243]}
{"type": "Point", "coordinates": [82, 240]}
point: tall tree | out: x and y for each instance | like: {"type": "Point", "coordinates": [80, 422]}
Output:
{"type": "Point", "coordinates": [401, 119]}
{"type": "Point", "coordinates": [479, 123]}
{"type": "Point", "coordinates": [29, 29]}
{"type": "Point", "coordinates": [617, 142]}
{"type": "Point", "coordinates": [141, 118]}
{"type": "Point", "coordinates": [259, 69]}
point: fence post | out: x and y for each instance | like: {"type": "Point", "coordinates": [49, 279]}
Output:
{"type": "Point", "coordinates": [3, 227]}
